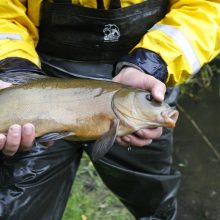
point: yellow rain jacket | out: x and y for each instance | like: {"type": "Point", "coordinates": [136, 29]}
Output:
{"type": "Point", "coordinates": [186, 38]}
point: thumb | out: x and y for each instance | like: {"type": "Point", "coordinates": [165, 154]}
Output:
{"type": "Point", "coordinates": [156, 87]}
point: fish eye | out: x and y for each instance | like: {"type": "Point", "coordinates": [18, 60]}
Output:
{"type": "Point", "coordinates": [149, 97]}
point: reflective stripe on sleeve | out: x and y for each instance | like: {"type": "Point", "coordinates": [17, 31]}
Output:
{"type": "Point", "coordinates": [182, 42]}
{"type": "Point", "coordinates": [11, 36]}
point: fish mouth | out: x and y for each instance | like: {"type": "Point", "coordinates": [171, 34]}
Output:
{"type": "Point", "coordinates": [170, 118]}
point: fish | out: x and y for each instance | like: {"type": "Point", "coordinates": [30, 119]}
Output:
{"type": "Point", "coordinates": [82, 110]}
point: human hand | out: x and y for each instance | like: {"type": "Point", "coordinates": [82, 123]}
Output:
{"type": "Point", "coordinates": [18, 137]}
{"type": "Point", "coordinates": [133, 77]}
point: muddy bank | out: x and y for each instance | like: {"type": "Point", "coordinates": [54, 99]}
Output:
{"type": "Point", "coordinates": [197, 155]}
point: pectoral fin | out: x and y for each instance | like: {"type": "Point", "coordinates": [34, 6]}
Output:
{"type": "Point", "coordinates": [103, 145]}
{"type": "Point", "coordinates": [53, 136]}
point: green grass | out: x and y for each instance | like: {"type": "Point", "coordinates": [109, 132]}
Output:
{"type": "Point", "coordinates": [202, 80]}
{"type": "Point", "coordinates": [91, 200]}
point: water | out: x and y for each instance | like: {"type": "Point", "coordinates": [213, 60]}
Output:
{"type": "Point", "coordinates": [197, 155]}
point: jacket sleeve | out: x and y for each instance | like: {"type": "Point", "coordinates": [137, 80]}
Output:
{"type": "Point", "coordinates": [185, 39]}
{"type": "Point", "coordinates": [18, 34]}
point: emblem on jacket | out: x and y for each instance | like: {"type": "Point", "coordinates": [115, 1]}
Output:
{"type": "Point", "coordinates": [111, 33]}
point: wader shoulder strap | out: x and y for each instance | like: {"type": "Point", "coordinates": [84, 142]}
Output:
{"type": "Point", "coordinates": [115, 4]}
{"type": "Point", "coordinates": [100, 5]}
{"type": "Point", "coordinates": [62, 1]}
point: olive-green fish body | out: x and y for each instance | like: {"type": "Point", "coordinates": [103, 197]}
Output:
{"type": "Point", "coordinates": [57, 105]}
{"type": "Point", "coordinates": [84, 109]}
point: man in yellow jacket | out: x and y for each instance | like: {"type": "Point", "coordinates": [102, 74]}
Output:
{"type": "Point", "coordinates": [147, 44]}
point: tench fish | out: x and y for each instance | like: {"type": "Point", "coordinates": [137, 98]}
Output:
{"type": "Point", "coordinates": [82, 109]}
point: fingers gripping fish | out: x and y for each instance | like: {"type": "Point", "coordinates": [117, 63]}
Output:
{"type": "Point", "coordinates": [81, 110]}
